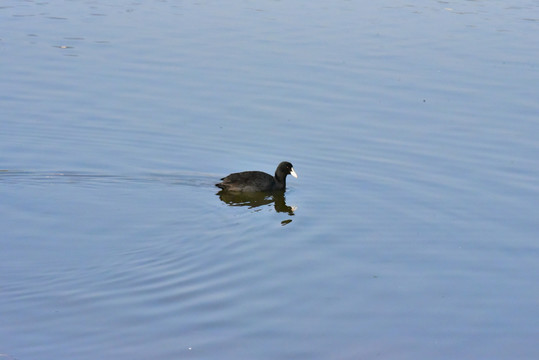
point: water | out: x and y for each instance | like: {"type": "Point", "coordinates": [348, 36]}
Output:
{"type": "Point", "coordinates": [410, 233]}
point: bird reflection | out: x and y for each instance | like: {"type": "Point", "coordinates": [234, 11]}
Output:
{"type": "Point", "coordinates": [257, 199]}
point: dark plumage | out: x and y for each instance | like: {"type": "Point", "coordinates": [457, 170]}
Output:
{"type": "Point", "coordinates": [258, 180]}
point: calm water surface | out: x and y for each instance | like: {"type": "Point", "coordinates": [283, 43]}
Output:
{"type": "Point", "coordinates": [412, 230]}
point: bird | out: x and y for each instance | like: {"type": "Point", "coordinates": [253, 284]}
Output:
{"type": "Point", "coordinates": [252, 181]}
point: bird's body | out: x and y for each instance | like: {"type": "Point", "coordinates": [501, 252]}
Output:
{"type": "Point", "coordinates": [251, 181]}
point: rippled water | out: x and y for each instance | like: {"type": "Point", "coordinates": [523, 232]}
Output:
{"type": "Point", "coordinates": [411, 232]}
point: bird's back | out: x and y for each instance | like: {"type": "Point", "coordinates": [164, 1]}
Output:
{"type": "Point", "coordinates": [247, 181]}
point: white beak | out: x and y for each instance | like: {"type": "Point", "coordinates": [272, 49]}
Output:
{"type": "Point", "coordinates": [293, 173]}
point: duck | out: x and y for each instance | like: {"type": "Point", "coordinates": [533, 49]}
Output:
{"type": "Point", "coordinates": [254, 181]}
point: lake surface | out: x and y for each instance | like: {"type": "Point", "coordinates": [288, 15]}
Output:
{"type": "Point", "coordinates": [412, 231]}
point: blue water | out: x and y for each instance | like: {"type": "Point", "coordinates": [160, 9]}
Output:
{"type": "Point", "coordinates": [410, 233]}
